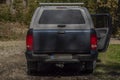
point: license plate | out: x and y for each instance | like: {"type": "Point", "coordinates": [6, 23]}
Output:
{"type": "Point", "coordinates": [61, 56]}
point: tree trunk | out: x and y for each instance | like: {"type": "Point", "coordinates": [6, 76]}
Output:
{"type": "Point", "coordinates": [25, 3]}
{"type": "Point", "coordinates": [118, 10]}
{"type": "Point", "coordinates": [8, 2]}
{"type": "Point", "coordinates": [12, 9]}
{"type": "Point", "coordinates": [118, 13]}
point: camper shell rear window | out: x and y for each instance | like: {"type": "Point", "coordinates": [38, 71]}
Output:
{"type": "Point", "coordinates": [61, 17]}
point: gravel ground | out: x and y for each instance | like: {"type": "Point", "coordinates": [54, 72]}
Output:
{"type": "Point", "coordinates": [13, 65]}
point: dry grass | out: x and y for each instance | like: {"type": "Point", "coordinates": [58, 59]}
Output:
{"type": "Point", "coordinates": [12, 31]}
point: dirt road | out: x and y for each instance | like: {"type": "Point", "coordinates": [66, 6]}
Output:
{"type": "Point", "coordinates": [13, 65]}
{"type": "Point", "coordinates": [114, 41]}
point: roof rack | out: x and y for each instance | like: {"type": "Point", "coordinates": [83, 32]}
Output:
{"type": "Point", "coordinates": [61, 4]}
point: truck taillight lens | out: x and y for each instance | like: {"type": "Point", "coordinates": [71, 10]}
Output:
{"type": "Point", "coordinates": [93, 41]}
{"type": "Point", "coordinates": [29, 42]}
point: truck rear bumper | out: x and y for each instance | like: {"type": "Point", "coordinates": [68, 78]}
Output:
{"type": "Point", "coordinates": [48, 58]}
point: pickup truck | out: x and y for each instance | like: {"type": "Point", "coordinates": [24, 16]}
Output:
{"type": "Point", "coordinates": [64, 34]}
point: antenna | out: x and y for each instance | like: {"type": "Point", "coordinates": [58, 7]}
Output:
{"type": "Point", "coordinates": [61, 4]}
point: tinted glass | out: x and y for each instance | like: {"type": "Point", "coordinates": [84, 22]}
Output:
{"type": "Point", "coordinates": [61, 17]}
{"type": "Point", "coordinates": [100, 21]}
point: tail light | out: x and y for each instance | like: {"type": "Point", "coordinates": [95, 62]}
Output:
{"type": "Point", "coordinates": [93, 41]}
{"type": "Point", "coordinates": [29, 42]}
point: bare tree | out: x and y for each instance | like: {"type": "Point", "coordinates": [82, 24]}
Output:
{"type": "Point", "coordinates": [118, 10]}
{"type": "Point", "coordinates": [12, 8]}
{"type": "Point", "coordinates": [8, 2]}
{"type": "Point", "coordinates": [118, 13]}
{"type": "Point", "coordinates": [25, 3]}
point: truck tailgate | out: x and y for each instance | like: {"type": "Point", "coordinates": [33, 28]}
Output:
{"type": "Point", "coordinates": [49, 41]}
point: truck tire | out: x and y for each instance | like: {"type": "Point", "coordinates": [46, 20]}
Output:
{"type": "Point", "coordinates": [35, 68]}
{"type": "Point", "coordinates": [90, 66]}
{"type": "Point", "coordinates": [32, 67]}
